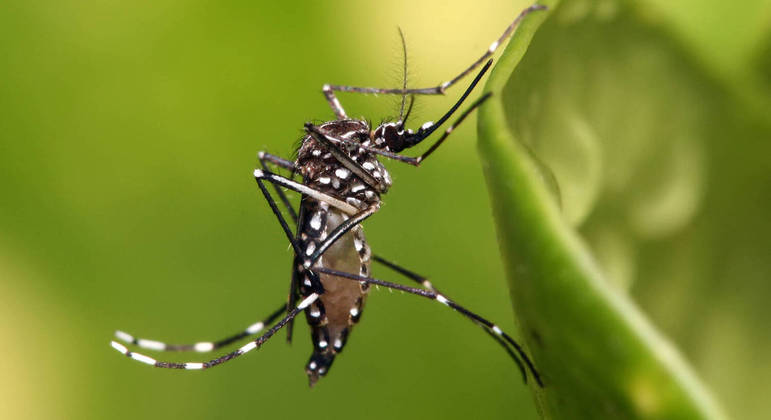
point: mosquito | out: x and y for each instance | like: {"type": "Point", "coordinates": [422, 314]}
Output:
{"type": "Point", "coordinates": [342, 184]}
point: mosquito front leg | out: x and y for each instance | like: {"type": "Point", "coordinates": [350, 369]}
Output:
{"type": "Point", "coordinates": [334, 103]}
{"type": "Point", "coordinates": [435, 90]}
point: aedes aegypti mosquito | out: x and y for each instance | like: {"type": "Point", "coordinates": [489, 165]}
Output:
{"type": "Point", "coordinates": [342, 184]}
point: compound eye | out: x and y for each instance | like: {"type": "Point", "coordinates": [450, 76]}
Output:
{"type": "Point", "coordinates": [393, 139]}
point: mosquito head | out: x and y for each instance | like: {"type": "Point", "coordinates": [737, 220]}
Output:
{"type": "Point", "coordinates": [393, 137]}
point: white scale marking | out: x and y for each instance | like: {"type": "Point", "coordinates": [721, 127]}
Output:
{"type": "Point", "coordinates": [325, 199]}
{"type": "Point", "coordinates": [193, 366]}
{"type": "Point", "coordinates": [322, 344]}
{"type": "Point", "coordinates": [124, 336]}
{"type": "Point", "coordinates": [427, 125]}
{"type": "Point", "coordinates": [254, 328]}
{"type": "Point", "coordinates": [493, 46]}
{"type": "Point", "coordinates": [316, 221]}
{"type": "Point", "coordinates": [248, 347]}
{"type": "Point", "coordinates": [443, 300]}
{"type": "Point", "coordinates": [338, 343]}
{"type": "Point", "coordinates": [309, 250]}
{"type": "Point", "coordinates": [118, 346]}
{"type": "Point", "coordinates": [354, 312]}
{"type": "Point", "coordinates": [358, 187]}
{"type": "Point", "coordinates": [357, 243]}
{"type": "Point", "coordinates": [497, 330]}
{"type": "Point", "coordinates": [142, 358]}
{"type": "Point", "coordinates": [310, 299]}
{"type": "Point", "coordinates": [151, 344]}
{"type": "Point", "coordinates": [316, 152]}
{"type": "Point", "coordinates": [325, 180]}
{"type": "Point", "coordinates": [203, 346]}
{"type": "Point", "coordinates": [368, 165]}
{"type": "Point", "coordinates": [312, 365]}
{"type": "Point", "coordinates": [342, 173]}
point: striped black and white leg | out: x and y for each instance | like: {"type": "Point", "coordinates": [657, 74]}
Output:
{"type": "Point", "coordinates": [224, 358]}
{"type": "Point", "coordinates": [334, 103]}
{"type": "Point", "coordinates": [201, 346]}
{"type": "Point", "coordinates": [435, 90]}
{"type": "Point", "coordinates": [423, 281]}
{"type": "Point", "coordinates": [266, 158]}
{"type": "Point", "coordinates": [443, 299]}
{"type": "Point", "coordinates": [280, 162]}
{"type": "Point", "coordinates": [261, 175]}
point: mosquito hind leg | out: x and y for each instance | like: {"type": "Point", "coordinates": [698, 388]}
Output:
{"type": "Point", "coordinates": [224, 358]}
{"type": "Point", "coordinates": [492, 328]}
{"type": "Point", "coordinates": [201, 346]}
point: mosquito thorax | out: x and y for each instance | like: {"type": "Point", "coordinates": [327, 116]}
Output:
{"type": "Point", "coordinates": [323, 171]}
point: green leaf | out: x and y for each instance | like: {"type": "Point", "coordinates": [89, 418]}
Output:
{"type": "Point", "coordinates": [591, 146]}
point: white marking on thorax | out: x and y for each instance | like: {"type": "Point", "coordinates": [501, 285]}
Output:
{"type": "Point", "coordinates": [316, 221]}
{"type": "Point", "coordinates": [342, 173]}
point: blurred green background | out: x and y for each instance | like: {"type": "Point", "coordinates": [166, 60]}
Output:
{"type": "Point", "coordinates": [129, 132]}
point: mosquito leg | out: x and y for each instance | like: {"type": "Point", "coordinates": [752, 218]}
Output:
{"type": "Point", "coordinates": [452, 127]}
{"type": "Point", "coordinates": [436, 90]}
{"type": "Point", "coordinates": [423, 281]}
{"type": "Point", "coordinates": [260, 175]}
{"type": "Point", "coordinates": [329, 93]}
{"type": "Point", "coordinates": [443, 299]}
{"type": "Point", "coordinates": [266, 158]}
{"type": "Point", "coordinates": [227, 357]}
{"type": "Point", "coordinates": [202, 346]}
